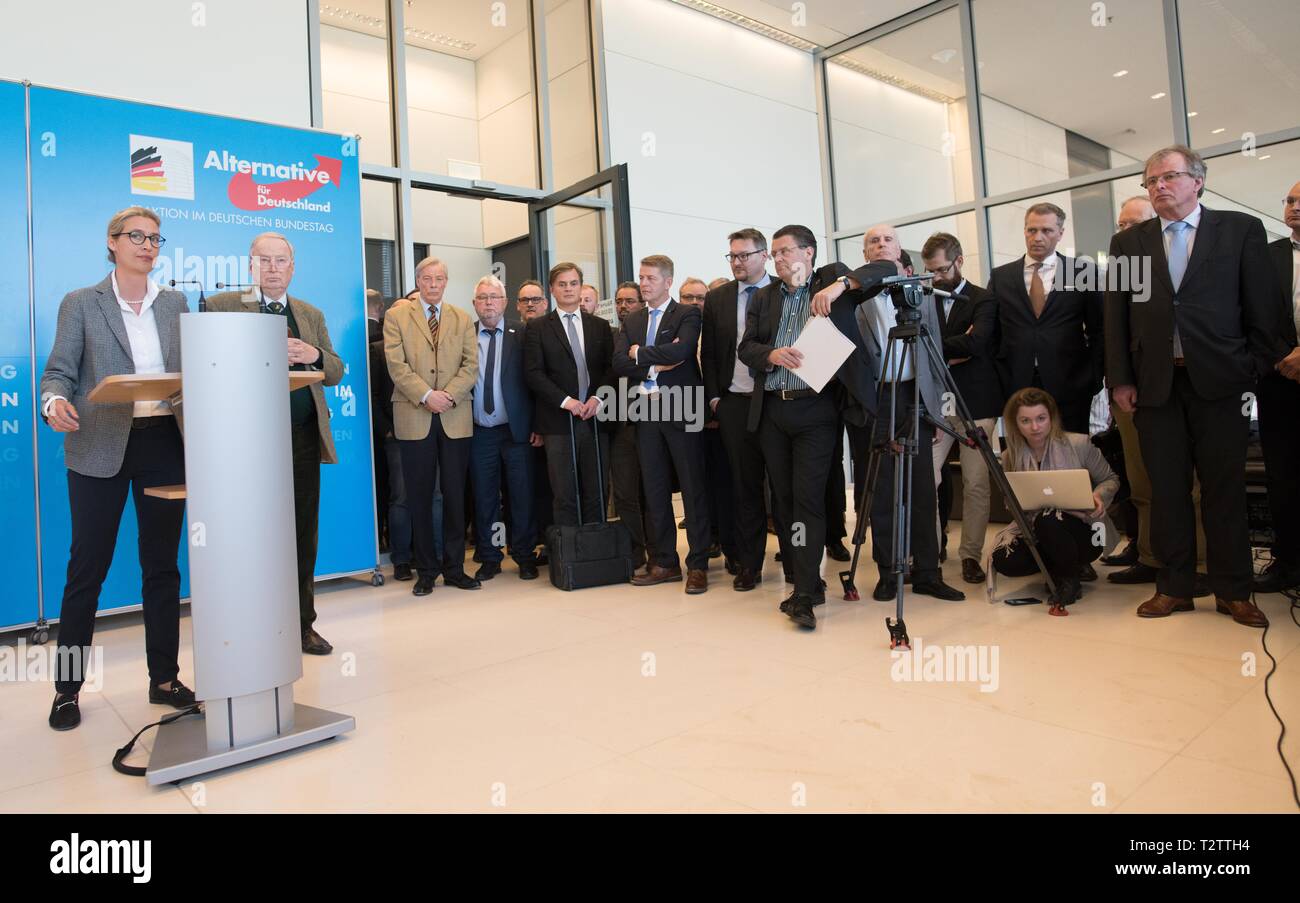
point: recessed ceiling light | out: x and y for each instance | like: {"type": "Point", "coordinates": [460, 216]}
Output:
{"type": "Point", "coordinates": [1216, 131]}
{"type": "Point", "coordinates": [1191, 114]}
{"type": "Point", "coordinates": [1158, 95]}
{"type": "Point", "coordinates": [1265, 157]}
{"type": "Point", "coordinates": [1121, 73]}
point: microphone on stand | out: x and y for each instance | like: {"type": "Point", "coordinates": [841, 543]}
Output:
{"type": "Point", "coordinates": [261, 301]}
{"type": "Point", "coordinates": [203, 302]}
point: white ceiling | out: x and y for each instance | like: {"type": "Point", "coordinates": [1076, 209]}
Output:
{"type": "Point", "coordinates": [472, 21]}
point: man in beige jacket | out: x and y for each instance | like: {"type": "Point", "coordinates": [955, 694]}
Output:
{"type": "Point", "coordinates": [432, 357]}
{"type": "Point", "coordinates": [271, 268]}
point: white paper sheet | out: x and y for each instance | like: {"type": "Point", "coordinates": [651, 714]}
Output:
{"type": "Point", "coordinates": [824, 348]}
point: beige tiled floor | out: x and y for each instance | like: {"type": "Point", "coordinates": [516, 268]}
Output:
{"type": "Point", "coordinates": [521, 698]}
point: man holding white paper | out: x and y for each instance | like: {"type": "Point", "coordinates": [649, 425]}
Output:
{"type": "Point", "coordinates": [797, 426]}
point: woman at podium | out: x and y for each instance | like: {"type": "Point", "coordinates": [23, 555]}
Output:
{"type": "Point", "coordinates": [125, 324]}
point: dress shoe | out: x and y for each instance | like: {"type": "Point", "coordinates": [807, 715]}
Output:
{"type": "Point", "coordinates": [697, 581]}
{"type": "Point", "coordinates": [776, 557]}
{"type": "Point", "coordinates": [937, 588]}
{"type": "Point", "coordinates": [314, 644]}
{"type": "Point", "coordinates": [971, 571]}
{"type": "Point", "coordinates": [746, 579]}
{"type": "Point", "coordinates": [1244, 612]}
{"type": "Point", "coordinates": [1162, 606]}
{"type": "Point", "coordinates": [527, 572]}
{"type": "Point", "coordinates": [655, 574]}
{"type": "Point", "coordinates": [800, 611]}
{"type": "Point", "coordinates": [477, 558]}
{"type": "Point", "coordinates": [730, 566]}
{"type": "Point", "coordinates": [1276, 577]}
{"type": "Point", "coordinates": [65, 714]}
{"type": "Point", "coordinates": [837, 551]}
{"type": "Point", "coordinates": [461, 581]}
{"type": "Point", "coordinates": [715, 550]}
{"type": "Point", "coordinates": [1087, 573]}
{"type": "Point", "coordinates": [681, 524]}
{"type": "Point", "coordinates": [1134, 573]}
{"type": "Point", "coordinates": [178, 696]}
{"type": "Point", "coordinates": [423, 586]}
{"type": "Point", "coordinates": [402, 572]}
{"type": "Point", "coordinates": [1128, 557]}
{"type": "Point", "coordinates": [886, 589]}
{"type": "Point", "coordinates": [1201, 586]}
{"type": "Point", "coordinates": [487, 571]}
{"type": "Point", "coordinates": [1068, 591]}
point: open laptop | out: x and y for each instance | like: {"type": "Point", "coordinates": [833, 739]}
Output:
{"type": "Point", "coordinates": [1069, 490]}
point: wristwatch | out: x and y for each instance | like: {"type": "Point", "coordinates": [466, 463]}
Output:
{"type": "Point", "coordinates": [844, 280]}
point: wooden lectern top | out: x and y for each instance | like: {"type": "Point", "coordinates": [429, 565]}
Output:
{"type": "Point", "coordinates": [132, 387]}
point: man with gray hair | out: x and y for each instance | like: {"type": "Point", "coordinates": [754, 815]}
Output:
{"type": "Point", "coordinates": [270, 266]}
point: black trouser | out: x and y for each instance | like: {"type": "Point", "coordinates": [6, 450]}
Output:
{"type": "Point", "coordinates": [798, 442]}
{"type": "Point", "coordinates": [422, 461]}
{"type": "Point", "coordinates": [1064, 541]}
{"type": "Point", "coordinates": [718, 494]}
{"type": "Point", "coordinates": [1188, 433]}
{"type": "Point", "coordinates": [154, 456]}
{"type": "Point", "coordinates": [1279, 434]}
{"type": "Point", "coordinates": [306, 513]}
{"type": "Point", "coordinates": [745, 456]}
{"type": "Point", "coordinates": [925, 539]}
{"type": "Point", "coordinates": [835, 502]}
{"type": "Point", "coordinates": [500, 461]}
{"type": "Point", "coordinates": [629, 496]}
{"type": "Point", "coordinates": [559, 464]}
{"type": "Point", "coordinates": [665, 448]}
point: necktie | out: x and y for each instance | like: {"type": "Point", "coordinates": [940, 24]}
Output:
{"type": "Point", "coordinates": [578, 357]}
{"type": "Point", "coordinates": [275, 307]}
{"type": "Point", "coordinates": [433, 325]}
{"type": "Point", "coordinates": [1178, 252]}
{"type": "Point", "coordinates": [489, 378]}
{"type": "Point", "coordinates": [649, 384]}
{"type": "Point", "coordinates": [1037, 296]}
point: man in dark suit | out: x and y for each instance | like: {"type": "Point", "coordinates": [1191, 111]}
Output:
{"type": "Point", "coordinates": [970, 333]}
{"type": "Point", "coordinates": [271, 266]}
{"type": "Point", "coordinates": [656, 351]}
{"type": "Point", "coordinates": [392, 494]}
{"type": "Point", "coordinates": [1185, 347]}
{"type": "Point", "coordinates": [566, 360]}
{"type": "Point", "coordinates": [624, 463]}
{"type": "Point", "coordinates": [502, 426]}
{"type": "Point", "coordinates": [729, 388]}
{"type": "Point", "coordinates": [902, 380]}
{"type": "Point", "coordinates": [1050, 318]}
{"type": "Point", "coordinates": [1279, 416]}
{"type": "Point", "coordinates": [796, 426]}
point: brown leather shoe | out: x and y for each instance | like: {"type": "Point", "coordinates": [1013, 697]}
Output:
{"type": "Point", "coordinates": [1162, 606]}
{"type": "Point", "coordinates": [697, 581]}
{"type": "Point", "coordinates": [655, 575]}
{"type": "Point", "coordinates": [746, 579]}
{"type": "Point", "coordinates": [1244, 612]}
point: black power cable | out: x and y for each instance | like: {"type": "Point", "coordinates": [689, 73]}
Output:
{"type": "Point", "coordinates": [1293, 595]}
{"type": "Point", "coordinates": [136, 771]}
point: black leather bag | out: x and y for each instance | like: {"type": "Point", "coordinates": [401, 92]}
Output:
{"type": "Point", "coordinates": [596, 554]}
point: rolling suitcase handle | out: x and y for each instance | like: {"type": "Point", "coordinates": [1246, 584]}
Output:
{"type": "Point", "coordinates": [600, 473]}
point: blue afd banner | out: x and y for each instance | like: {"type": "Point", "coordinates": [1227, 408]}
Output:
{"type": "Point", "coordinates": [216, 182]}
{"type": "Point", "coordinates": [18, 595]}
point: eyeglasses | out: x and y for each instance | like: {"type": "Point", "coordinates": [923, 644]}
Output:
{"type": "Point", "coordinates": [942, 271]}
{"type": "Point", "coordinates": [531, 301]}
{"type": "Point", "coordinates": [782, 253]}
{"type": "Point", "coordinates": [1164, 178]}
{"type": "Point", "coordinates": [742, 257]}
{"type": "Point", "coordinates": [137, 237]}
{"type": "Point", "coordinates": [497, 297]}
{"type": "Point", "coordinates": [275, 263]}
{"type": "Point", "coordinates": [695, 299]}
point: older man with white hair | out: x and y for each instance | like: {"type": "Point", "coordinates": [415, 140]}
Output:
{"type": "Point", "coordinates": [270, 264]}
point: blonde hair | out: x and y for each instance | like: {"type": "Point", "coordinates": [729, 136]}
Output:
{"type": "Point", "coordinates": [428, 262]}
{"type": "Point", "coordinates": [261, 235]}
{"type": "Point", "coordinates": [1029, 397]}
{"type": "Point", "coordinates": [119, 220]}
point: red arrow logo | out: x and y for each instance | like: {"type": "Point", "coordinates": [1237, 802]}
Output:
{"type": "Point", "coordinates": [244, 192]}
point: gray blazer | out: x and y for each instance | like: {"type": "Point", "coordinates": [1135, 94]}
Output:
{"type": "Point", "coordinates": [931, 388]}
{"type": "Point", "coordinates": [90, 343]}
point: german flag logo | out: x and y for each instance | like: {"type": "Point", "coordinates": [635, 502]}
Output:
{"type": "Point", "coordinates": [147, 171]}
{"type": "Point", "coordinates": [162, 167]}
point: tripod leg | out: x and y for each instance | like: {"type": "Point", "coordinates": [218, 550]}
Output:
{"type": "Point", "coordinates": [864, 494]}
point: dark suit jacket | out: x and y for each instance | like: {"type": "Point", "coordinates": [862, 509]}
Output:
{"type": "Point", "coordinates": [1284, 264]}
{"type": "Point", "coordinates": [976, 379]}
{"type": "Point", "coordinates": [1066, 339]}
{"type": "Point", "coordinates": [514, 386]}
{"type": "Point", "coordinates": [1227, 311]}
{"type": "Point", "coordinates": [719, 338]}
{"type": "Point", "coordinates": [678, 321]}
{"type": "Point", "coordinates": [854, 387]}
{"type": "Point", "coordinates": [551, 371]}
{"type": "Point", "coordinates": [381, 383]}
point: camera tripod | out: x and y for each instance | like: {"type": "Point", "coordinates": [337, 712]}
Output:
{"type": "Point", "coordinates": [910, 340]}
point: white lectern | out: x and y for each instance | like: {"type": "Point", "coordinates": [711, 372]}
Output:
{"type": "Point", "coordinates": [243, 570]}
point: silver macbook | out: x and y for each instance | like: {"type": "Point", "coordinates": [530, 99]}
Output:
{"type": "Point", "coordinates": [1070, 490]}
